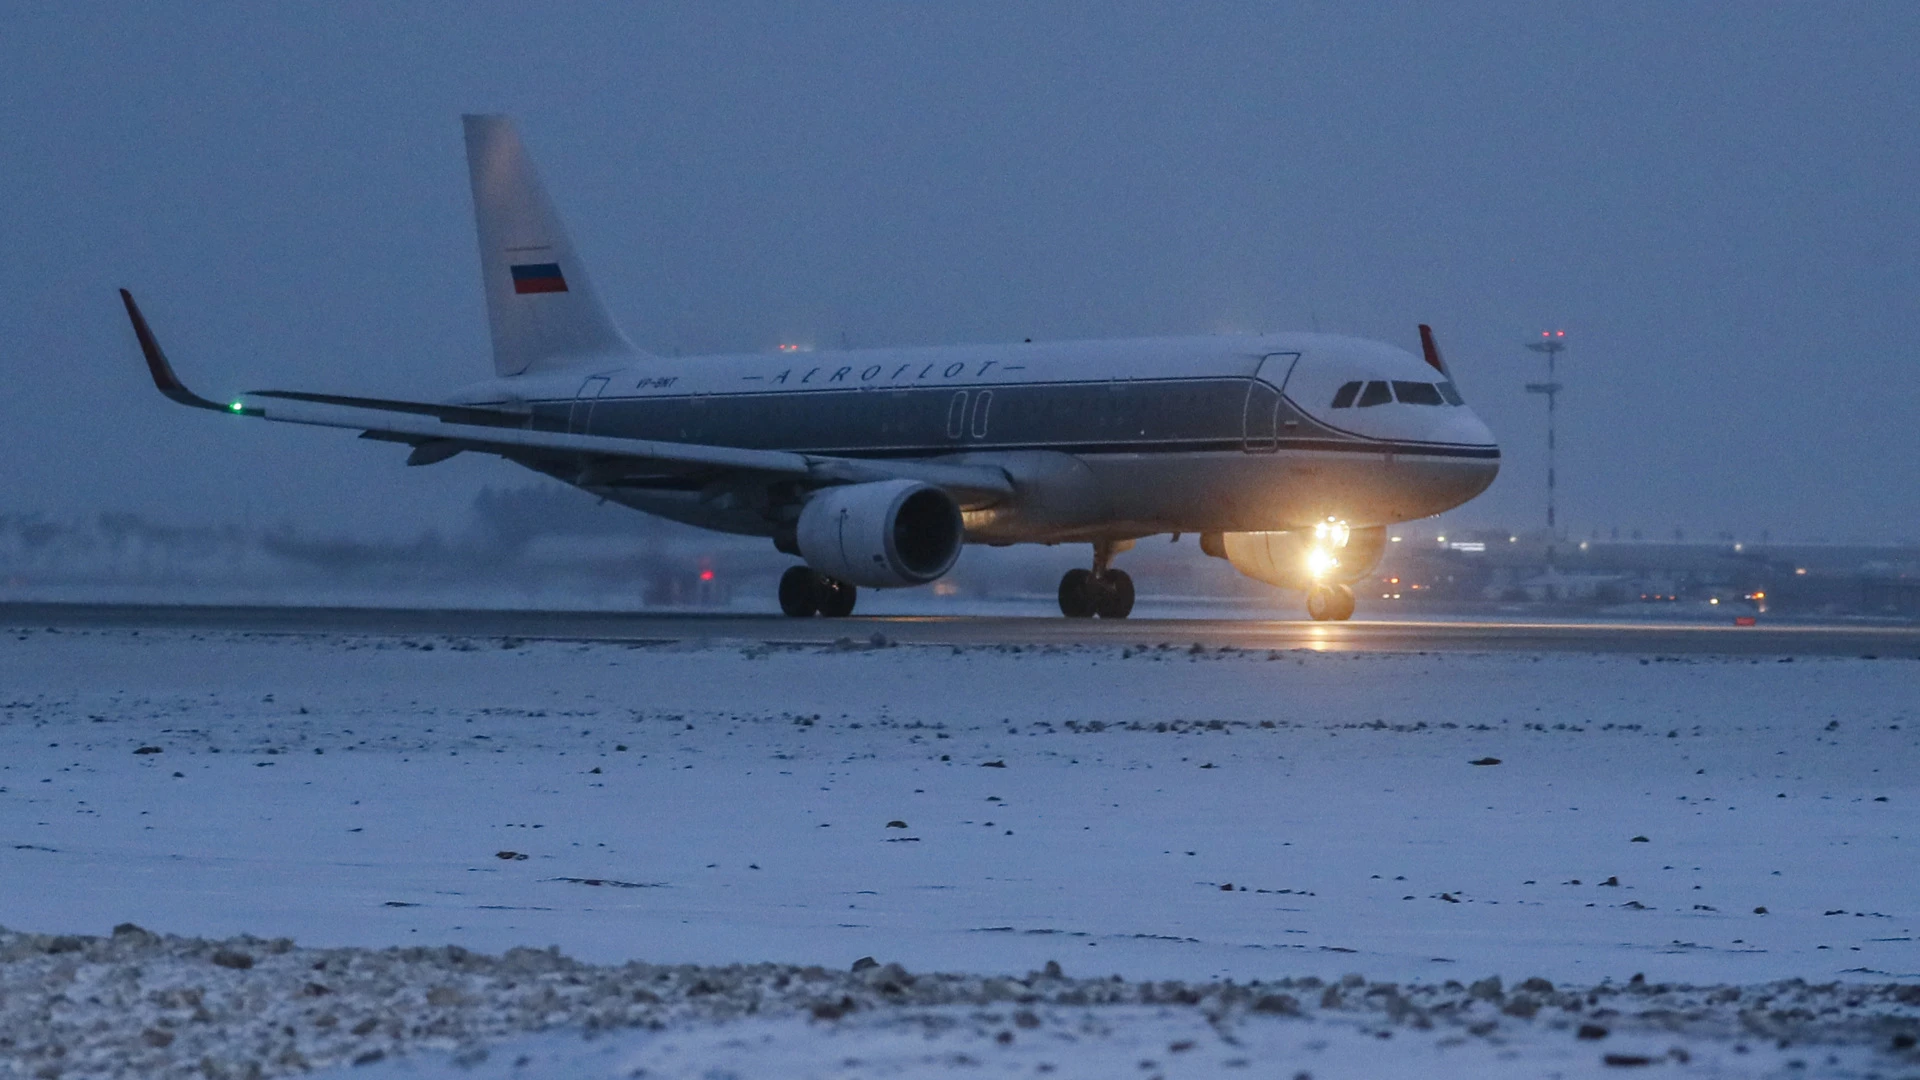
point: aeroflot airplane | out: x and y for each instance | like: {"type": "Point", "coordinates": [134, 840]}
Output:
{"type": "Point", "coordinates": [1287, 453]}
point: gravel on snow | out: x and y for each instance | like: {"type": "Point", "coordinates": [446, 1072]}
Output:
{"type": "Point", "coordinates": [136, 1003]}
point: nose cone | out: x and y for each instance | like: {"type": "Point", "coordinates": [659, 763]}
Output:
{"type": "Point", "coordinates": [1457, 426]}
{"type": "Point", "coordinates": [1474, 431]}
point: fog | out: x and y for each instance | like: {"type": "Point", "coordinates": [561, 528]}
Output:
{"type": "Point", "coordinates": [1715, 202]}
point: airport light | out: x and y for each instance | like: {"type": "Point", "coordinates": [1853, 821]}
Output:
{"type": "Point", "coordinates": [1553, 343]}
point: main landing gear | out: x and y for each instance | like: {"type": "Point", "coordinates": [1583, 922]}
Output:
{"type": "Point", "coordinates": [805, 591]}
{"type": "Point", "coordinates": [1100, 591]}
{"type": "Point", "coordinates": [1330, 603]}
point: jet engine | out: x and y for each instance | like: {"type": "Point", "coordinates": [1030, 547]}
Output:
{"type": "Point", "coordinates": [1326, 554]}
{"type": "Point", "coordinates": [885, 534]}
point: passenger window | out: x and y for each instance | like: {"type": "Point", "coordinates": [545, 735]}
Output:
{"type": "Point", "coordinates": [1452, 395]}
{"type": "Point", "coordinates": [1376, 393]}
{"type": "Point", "coordinates": [1343, 397]}
{"type": "Point", "coordinates": [1417, 393]}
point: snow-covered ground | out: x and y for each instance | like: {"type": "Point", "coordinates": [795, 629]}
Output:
{"type": "Point", "coordinates": [1157, 814]}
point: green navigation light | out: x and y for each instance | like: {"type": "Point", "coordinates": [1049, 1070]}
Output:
{"type": "Point", "coordinates": [236, 407]}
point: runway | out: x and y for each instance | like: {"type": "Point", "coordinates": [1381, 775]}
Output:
{"type": "Point", "coordinates": [1403, 635]}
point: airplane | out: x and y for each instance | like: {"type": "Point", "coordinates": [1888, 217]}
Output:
{"type": "Point", "coordinates": [1288, 454]}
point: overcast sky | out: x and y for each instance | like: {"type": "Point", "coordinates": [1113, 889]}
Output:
{"type": "Point", "coordinates": [1718, 203]}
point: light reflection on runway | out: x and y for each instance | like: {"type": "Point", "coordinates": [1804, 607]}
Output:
{"type": "Point", "coordinates": [1401, 635]}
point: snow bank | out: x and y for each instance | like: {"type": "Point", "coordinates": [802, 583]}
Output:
{"type": "Point", "coordinates": [137, 1004]}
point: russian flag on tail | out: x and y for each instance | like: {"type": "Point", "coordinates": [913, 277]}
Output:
{"type": "Point", "coordinates": [538, 278]}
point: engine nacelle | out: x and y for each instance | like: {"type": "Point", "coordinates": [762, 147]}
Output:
{"type": "Point", "coordinates": [884, 535]}
{"type": "Point", "coordinates": [1301, 558]}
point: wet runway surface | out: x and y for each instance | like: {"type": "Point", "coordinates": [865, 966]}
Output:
{"type": "Point", "coordinates": [1490, 635]}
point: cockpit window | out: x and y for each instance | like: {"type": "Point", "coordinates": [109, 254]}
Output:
{"type": "Point", "coordinates": [1368, 394]}
{"type": "Point", "coordinates": [1417, 393]}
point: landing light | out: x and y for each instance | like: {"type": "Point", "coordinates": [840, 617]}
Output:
{"type": "Point", "coordinates": [1320, 563]}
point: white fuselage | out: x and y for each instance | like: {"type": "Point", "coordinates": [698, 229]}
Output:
{"type": "Point", "coordinates": [1102, 439]}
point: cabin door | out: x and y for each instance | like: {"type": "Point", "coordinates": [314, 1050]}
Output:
{"type": "Point", "coordinates": [582, 412]}
{"type": "Point", "coordinates": [1262, 415]}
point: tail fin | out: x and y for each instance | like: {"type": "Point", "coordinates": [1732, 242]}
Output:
{"type": "Point", "coordinates": [541, 305]}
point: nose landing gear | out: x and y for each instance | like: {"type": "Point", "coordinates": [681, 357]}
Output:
{"type": "Point", "coordinates": [1082, 595]}
{"type": "Point", "coordinates": [805, 591]}
{"type": "Point", "coordinates": [1101, 591]}
{"type": "Point", "coordinates": [1330, 603]}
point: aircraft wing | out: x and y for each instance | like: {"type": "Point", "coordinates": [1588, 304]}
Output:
{"type": "Point", "coordinates": [438, 432]}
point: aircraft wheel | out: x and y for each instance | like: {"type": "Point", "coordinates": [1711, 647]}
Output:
{"type": "Point", "coordinates": [799, 596]}
{"type": "Point", "coordinates": [836, 597]}
{"type": "Point", "coordinates": [1115, 597]}
{"type": "Point", "coordinates": [1323, 603]}
{"type": "Point", "coordinates": [1076, 594]}
{"type": "Point", "coordinates": [1344, 605]}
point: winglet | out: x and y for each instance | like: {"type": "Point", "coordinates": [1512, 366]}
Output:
{"type": "Point", "coordinates": [163, 376]}
{"type": "Point", "coordinates": [1432, 351]}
